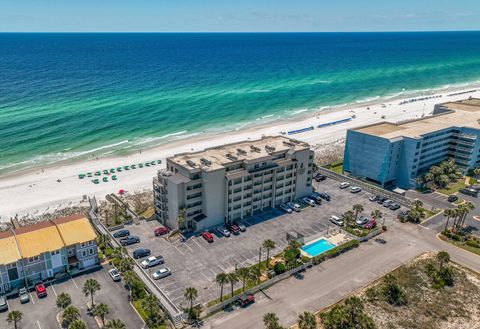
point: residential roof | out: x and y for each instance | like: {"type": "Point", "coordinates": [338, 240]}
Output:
{"type": "Point", "coordinates": [464, 113]}
{"type": "Point", "coordinates": [8, 248]}
{"type": "Point", "coordinates": [217, 157]}
{"type": "Point", "coordinates": [75, 230]}
{"type": "Point", "coordinates": [37, 239]}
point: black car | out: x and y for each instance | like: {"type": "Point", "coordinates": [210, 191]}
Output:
{"type": "Point", "coordinates": [452, 198]}
{"type": "Point", "coordinates": [320, 177]}
{"type": "Point", "coordinates": [140, 253]}
{"type": "Point", "coordinates": [129, 240]}
{"type": "Point", "coordinates": [468, 191]}
{"type": "Point", "coordinates": [381, 199]}
{"type": "Point", "coordinates": [121, 234]}
{"type": "Point", "coordinates": [324, 195]}
{"type": "Point", "coordinates": [403, 214]}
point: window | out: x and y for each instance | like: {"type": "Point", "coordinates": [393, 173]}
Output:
{"type": "Point", "coordinates": [56, 252]}
{"type": "Point", "coordinates": [84, 253]}
{"type": "Point", "coordinates": [90, 251]}
{"type": "Point", "coordinates": [33, 259]}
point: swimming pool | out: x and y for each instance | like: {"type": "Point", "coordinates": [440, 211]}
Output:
{"type": "Point", "coordinates": [317, 247]}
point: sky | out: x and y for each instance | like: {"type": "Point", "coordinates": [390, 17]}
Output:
{"type": "Point", "coordinates": [237, 15]}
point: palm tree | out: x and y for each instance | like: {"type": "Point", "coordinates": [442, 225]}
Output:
{"type": "Point", "coordinates": [77, 324]}
{"type": "Point", "coordinates": [269, 245]}
{"type": "Point", "coordinates": [14, 317]}
{"type": "Point", "coordinates": [90, 287]}
{"type": "Point", "coordinates": [377, 214]}
{"type": "Point", "coordinates": [118, 252]}
{"type": "Point", "coordinates": [191, 294]}
{"type": "Point", "coordinates": [443, 257]}
{"type": "Point", "coordinates": [232, 279]}
{"type": "Point", "coordinates": [70, 314]}
{"type": "Point", "coordinates": [104, 240]}
{"type": "Point", "coordinates": [150, 305]}
{"type": "Point", "coordinates": [417, 204]}
{"type": "Point", "coordinates": [243, 274]}
{"type": "Point", "coordinates": [101, 310]}
{"type": "Point", "coordinates": [357, 208]}
{"type": "Point", "coordinates": [259, 262]}
{"type": "Point", "coordinates": [125, 264]}
{"type": "Point", "coordinates": [448, 213]}
{"type": "Point", "coordinates": [307, 320]}
{"type": "Point", "coordinates": [63, 300]}
{"type": "Point", "coordinates": [270, 320]}
{"type": "Point", "coordinates": [348, 217]}
{"type": "Point", "coordinates": [221, 279]}
{"type": "Point", "coordinates": [115, 324]}
{"type": "Point", "coordinates": [468, 206]}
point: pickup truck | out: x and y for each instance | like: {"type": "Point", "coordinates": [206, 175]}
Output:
{"type": "Point", "coordinates": [152, 261]}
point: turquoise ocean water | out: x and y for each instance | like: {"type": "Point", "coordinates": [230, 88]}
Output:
{"type": "Point", "coordinates": [66, 96]}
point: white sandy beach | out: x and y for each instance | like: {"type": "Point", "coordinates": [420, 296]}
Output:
{"type": "Point", "coordinates": [36, 192]}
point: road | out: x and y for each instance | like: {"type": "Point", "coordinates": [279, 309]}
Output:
{"type": "Point", "coordinates": [332, 280]}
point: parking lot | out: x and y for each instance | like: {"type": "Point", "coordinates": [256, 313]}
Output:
{"type": "Point", "coordinates": [195, 262]}
{"type": "Point", "coordinates": [41, 313]}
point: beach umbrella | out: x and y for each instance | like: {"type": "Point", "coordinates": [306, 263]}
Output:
{"type": "Point", "coordinates": [121, 192]}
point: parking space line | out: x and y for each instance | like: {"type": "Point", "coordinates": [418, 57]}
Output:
{"type": "Point", "coordinates": [178, 250]}
{"type": "Point", "coordinates": [198, 244]}
{"type": "Point", "coordinates": [38, 324]}
{"type": "Point", "coordinates": [31, 298]}
{"type": "Point", "coordinates": [206, 277]}
{"type": "Point", "coordinates": [424, 227]}
{"type": "Point", "coordinates": [8, 305]}
{"type": "Point", "coordinates": [51, 285]}
{"type": "Point", "coordinates": [74, 283]}
{"type": "Point", "coordinates": [168, 284]}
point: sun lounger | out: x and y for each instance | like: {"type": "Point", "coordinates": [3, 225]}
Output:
{"type": "Point", "coordinates": [105, 179]}
{"type": "Point", "coordinates": [114, 177]}
{"type": "Point", "coordinates": [112, 170]}
{"type": "Point", "coordinates": [105, 171]}
{"type": "Point", "coordinates": [159, 161]}
{"type": "Point", "coordinates": [140, 165]}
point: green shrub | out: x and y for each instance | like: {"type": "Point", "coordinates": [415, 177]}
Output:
{"type": "Point", "coordinates": [472, 243]}
{"type": "Point", "coordinates": [279, 268]}
{"type": "Point", "coordinates": [335, 251]}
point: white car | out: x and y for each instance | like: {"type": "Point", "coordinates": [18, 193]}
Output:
{"type": "Point", "coordinates": [343, 185]}
{"type": "Point", "coordinates": [223, 231]}
{"type": "Point", "coordinates": [114, 274]}
{"type": "Point", "coordinates": [336, 220]}
{"type": "Point", "coordinates": [152, 261]}
{"type": "Point", "coordinates": [285, 208]}
{"type": "Point", "coordinates": [294, 206]}
{"type": "Point", "coordinates": [309, 201]}
{"type": "Point", "coordinates": [161, 273]}
{"type": "Point", "coordinates": [355, 189]}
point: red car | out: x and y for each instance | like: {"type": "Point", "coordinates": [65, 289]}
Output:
{"type": "Point", "coordinates": [208, 236]}
{"type": "Point", "coordinates": [161, 231]}
{"type": "Point", "coordinates": [40, 290]}
{"type": "Point", "coordinates": [246, 300]}
{"type": "Point", "coordinates": [371, 224]}
{"type": "Point", "coordinates": [234, 229]}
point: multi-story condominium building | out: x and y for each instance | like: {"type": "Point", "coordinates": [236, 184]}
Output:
{"type": "Point", "coordinates": [44, 250]}
{"type": "Point", "coordinates": [227, 183]}
{"type": "Point", "coordinates": [395, 154]}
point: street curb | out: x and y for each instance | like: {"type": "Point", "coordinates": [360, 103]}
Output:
{"type": "Point", "coordinates": [58, 319]}
{"type": "Point", "coordinates": [139, 316]}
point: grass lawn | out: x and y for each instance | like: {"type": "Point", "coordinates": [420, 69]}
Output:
{"type": "Point", "coordinates": [336, 167]}
{"type": "Point", "coordinates": [453, 187]}
{"type": "Point", "coordinates": [358, 231]}
{"type": "Point", "coordinates": [460, 244]}
{"type": "Point", "coordinates": [459, 201]}
{"type": "Point", "coordinates": [148, 213]}
{"type": "Point", "coordinates": [429, 213]}
{"type": "Point", "coordinates": [138, 306]}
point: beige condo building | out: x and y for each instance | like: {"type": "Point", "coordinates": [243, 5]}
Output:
{"type": "Point", "coordinates": [231, 182]}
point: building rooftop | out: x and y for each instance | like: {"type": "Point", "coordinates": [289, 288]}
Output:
{"type": "Point", "coordinates": [39, 238]}
{"type": "Point", "coordinates": [75, 230]}
{"type": "Point", "coordinates": [464, 113]}
{"type": "Point", "coordinates": [9, 252]}
{"type": "Point", "coordinates": [217, 157]}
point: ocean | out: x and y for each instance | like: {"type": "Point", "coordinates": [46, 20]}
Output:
{"type": "Point", "coordinates": [67, 96]}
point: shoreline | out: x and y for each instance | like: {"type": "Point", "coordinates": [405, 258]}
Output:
{"type": "Point", "coordinates": [29, 190]}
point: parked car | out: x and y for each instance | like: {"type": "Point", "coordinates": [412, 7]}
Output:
{"type": "Point", "coordinates": [207, 236]}
{"type": "Point", "coordinates": [40, 290]}
{"type": "Point", "coordinates": [387, 203]}
{"type": "Point", "coordinates": [336, 220]}
{"type": "Point", "coordinates": [161, 231]}
{"type": "Point", "coordinates": [294, 206]}
{"type": "Point", "coordinates": [394, 206]}
{"type": "Point", "coordinates": [343, 185]}
{"type": "Point", "coordinates": [325, 196]}
{"type": "Point", "coordinates": [355, 189]}
{"type": "Point", "coordinates": [371, 224]}
{"type": "Point", "coordinates": [161, 273]}
{"type": "Point", "coordinates": [3, 304]}
{"type": "Point", "coordinates": [234, 229]}
{"type": "Point", "coordinates": [114, 274]}
{"type": "Point", "coordinates": [319, 177]}
{"type": "Point", "coordinates": [452, 198]}
{"type": "Point", "coordinates": [245, 300]}
{"type": "Point", "coordinates": [223, 231]}
{"type": "Point", "coordinates": [468, 191]}
{"type": "Point", "coordinates": [140, 253]}
{"type": "Point", "coordinates": [24, 295]}
{"type": "Point", "coordinates": [121, 234]}
{"type": "Point", "coordinates": [309, 201]}
{"type": "Point", "coordinates": [373, 198]}
{"type": "Point", "coordinates": [381, 199]}
{"type": "Point", "coordinates": [152, 261]}
{"type": "Point", "coordinates": [242, 227]}
{"type": "Point", "coordinates": [403, 214]}
{"type": "Point", "coordinates": [285, 208]}
{"type": "Point", "coordinates": [131, 239]}
{"type": "Point", "coordinates": [362, 220]}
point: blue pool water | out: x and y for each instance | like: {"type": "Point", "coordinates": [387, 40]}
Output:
{"type": "Point", "coordinates": [317, 247]}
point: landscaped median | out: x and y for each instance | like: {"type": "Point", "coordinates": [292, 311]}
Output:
{"type": "Point", "coordinates": [470, 243]}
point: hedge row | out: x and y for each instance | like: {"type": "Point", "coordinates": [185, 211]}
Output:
{"type": "Point", "coordinates": [334, 252]}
